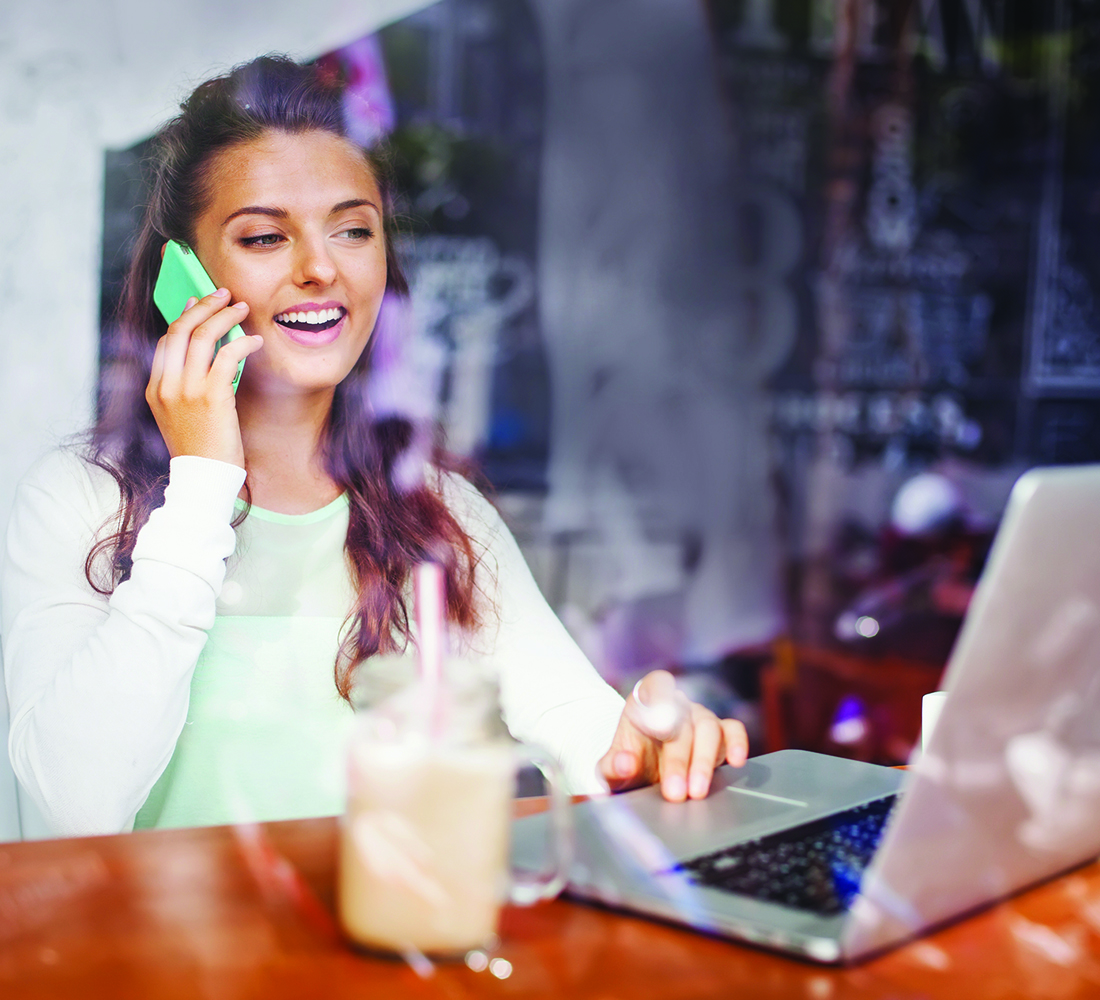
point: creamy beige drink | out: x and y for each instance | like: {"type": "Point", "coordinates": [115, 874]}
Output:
{"type": "Point", "coordinates": [424, 844]}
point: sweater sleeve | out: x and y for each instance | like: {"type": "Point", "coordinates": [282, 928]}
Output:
{"type": "Point", "coordinates": [99, 687]}
{"type": "Point", "coordinates": [551, 695]}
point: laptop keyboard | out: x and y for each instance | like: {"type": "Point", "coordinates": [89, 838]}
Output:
{"type": "Point", "coordinates": [816, 866]}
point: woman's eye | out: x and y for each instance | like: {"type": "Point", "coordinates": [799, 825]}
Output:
{"type": "Point", "coordinates": [358, 233]}
{"type": "Point", "coordinates": [263, 240]}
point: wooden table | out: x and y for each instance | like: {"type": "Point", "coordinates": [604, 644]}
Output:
{"type": "Point", "coordinates": [230, 912]}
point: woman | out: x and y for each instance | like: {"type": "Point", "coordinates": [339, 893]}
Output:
{"type": "Point", "coordinates": [178, 596]}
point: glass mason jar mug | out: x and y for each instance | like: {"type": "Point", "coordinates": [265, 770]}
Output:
{"type": "Point", "coordinates": [424, 841]}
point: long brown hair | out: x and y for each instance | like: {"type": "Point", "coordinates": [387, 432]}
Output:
{"type": "Point", "coordinates": [391, 526]}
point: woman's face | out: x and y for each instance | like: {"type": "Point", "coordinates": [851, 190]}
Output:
{"type": "Point", "coordinates": [294, 228]}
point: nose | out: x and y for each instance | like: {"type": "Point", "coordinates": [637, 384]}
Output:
{"type": "Point", "coordinates": [313, 264]}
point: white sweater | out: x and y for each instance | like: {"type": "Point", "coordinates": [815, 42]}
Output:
{"type": "Point", "coordinates": [101, 688]}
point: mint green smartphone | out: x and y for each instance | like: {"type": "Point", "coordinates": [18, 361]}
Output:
{"type": "Point", "coordinates": [181, 277]}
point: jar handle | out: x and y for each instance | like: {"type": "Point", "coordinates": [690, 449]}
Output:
{"type": "Point", "coordinates": [528, 888]}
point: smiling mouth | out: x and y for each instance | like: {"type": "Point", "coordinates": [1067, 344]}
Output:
{"type": "Point", "coordinates": [313, 322]}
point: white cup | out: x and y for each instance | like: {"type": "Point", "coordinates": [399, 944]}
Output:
{"type": "Point", "coordinates": [930, 707]}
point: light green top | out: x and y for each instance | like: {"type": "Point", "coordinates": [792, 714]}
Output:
{"type": "Point", "coordinates": [266, 727]}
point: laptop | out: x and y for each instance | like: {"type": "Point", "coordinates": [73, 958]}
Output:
{"type": "Point", "coordinates": [834, 859]}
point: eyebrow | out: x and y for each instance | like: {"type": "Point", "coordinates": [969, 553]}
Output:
{"type": "Point", "coordinates": [282, 213]}
{"type": "Point", "coordinates": [353, 203]}
{"type": "Point", "coordinates": [274, 213]}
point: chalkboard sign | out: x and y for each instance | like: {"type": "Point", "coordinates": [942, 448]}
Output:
{"type": "Point", "coordinates": [921, 189]}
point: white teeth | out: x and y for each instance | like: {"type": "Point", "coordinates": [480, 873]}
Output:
{"type": "Point", "coordinates": [312, 317]}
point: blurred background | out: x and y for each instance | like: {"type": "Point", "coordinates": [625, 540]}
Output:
{"type": "Point", "coordinates": [751, 310]}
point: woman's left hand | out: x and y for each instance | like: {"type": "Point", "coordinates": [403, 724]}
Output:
{"type": "Point", "coordinates": [664, 737]}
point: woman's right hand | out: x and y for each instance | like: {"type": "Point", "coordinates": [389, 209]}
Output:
{"type": "Point", "coordinates": [190, 389]}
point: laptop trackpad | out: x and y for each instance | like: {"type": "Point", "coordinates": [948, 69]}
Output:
{"type": "Point", "coordinates": [734, 810]}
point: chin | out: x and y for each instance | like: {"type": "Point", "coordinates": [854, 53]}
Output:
{"type": "Point", "coordinates": [295, 380]}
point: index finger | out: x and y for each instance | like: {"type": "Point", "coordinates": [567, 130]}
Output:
{"type": "Point", "coordinates": [674, 758]}
{"type": "Point", "coordinates": [197, 311]}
